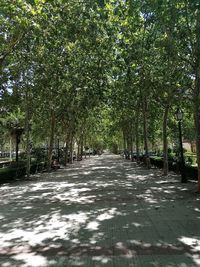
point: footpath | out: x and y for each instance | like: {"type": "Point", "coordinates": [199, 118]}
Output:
{"type": "Point", "coordinates": [100, 212]}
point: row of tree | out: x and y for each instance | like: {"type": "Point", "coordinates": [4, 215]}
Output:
{"type": "Point", "coordinates": [67, 64]}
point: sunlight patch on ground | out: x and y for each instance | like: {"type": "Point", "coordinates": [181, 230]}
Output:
{"type": "Point", "coordinates": [31, 260]}
{"type": "Point", "coordinates": [93, 225]}
{"type": "Point", "coordinates": [167, 181]}
{"type": "Point", "coordinates": [122, 204]}
{"type": "Point", "coordinates": [103, 167]}
{"type": "Point", "coordinates": [27, 208]}
{"type": "Point", "coordinates": [44, 228]}
{"type": "Point", "coordinates": [148, 198]}
{"type": "Point", "coordinates": [136, 224]}
{"type": "Point", "coordinates": [197, 209]}
{"type": "Point", "coordinates": [195, 258]}
{"type": "Point", "coordinates": [80, 217]}
{"type": "Point", "coordinates": [168, 191]}
{"type": "Point", "coordinates": [108, 214]}
{"type": "Point", "coordinates": [86, 172]}
{"type": "Point", "coordinates": [34, 237]}
{"type": "Point", "coordinates": [139, 177]}
{"type": "Point", "coordinates": [74, 196]}
{"type": "Point", "coordinates": [102, 259]}
{"type": "Point", "coordinates": [96, 237]}
{"type": "Point", "coordinates": [194, 243]}
{"type": "Point", "coordinates": [63, 185]}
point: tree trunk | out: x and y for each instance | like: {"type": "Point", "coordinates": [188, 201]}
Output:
{"type": "Point", "coordinates": [137, 137]}
{"type": "Point", "coordinates": [51, 139]}
{"type": "Point", "coordinates": [197, 95]}
{"type": "Point", "coordinates": [81, 141]}
{"type": "Point", "coordinates": [71, 148]}
{"type": "Point", "coordinates": [78, 151]}
{"type": "Point", "coordinates": [66, 150]}
{"type": "Point", "coordinates": [165, 142]}
{"type": "Point", "coordinates": [17, 148]}
{"type": "Point", "coordinates": [128, 147]}
{"type": "Point", "coordinates": [144, 109]}
{"type": "Point", "coordinates": [28, 148]}
{"type": "Point", "coordinates": [132, 159]}
{"type": "Point", "coordinates": [85, 140]}
{"type": "Point", "coordinates": [124, 140]}
{"type": "Point", "coordinates": [58, 150]}
{"type": "Point", "coordinates": [10, 148]}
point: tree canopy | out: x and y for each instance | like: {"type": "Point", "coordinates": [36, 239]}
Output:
{"type": "Point", "coordinates": [106, 73]}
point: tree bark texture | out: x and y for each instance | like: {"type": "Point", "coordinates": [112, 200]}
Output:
{"type": "Point", "coordinates": [197, 94]}
{"type": "Point", "coordinates": [145, 132]}
{"type": "Point", "coordinates": [66, 150]}
{"type": "Point", "coordinates": [71, 148]}
{"type": "Point", "coordinates": [165, 142]}
{"type": "Point", "coordinates": [51, 138]}
{"type": "Point", "coordinates": [27, 131]}
{"type": "Point", "coordinates": [137, 137]}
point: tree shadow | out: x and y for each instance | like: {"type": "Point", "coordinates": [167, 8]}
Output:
{"type": "Point", "coordinates": [100, 212]}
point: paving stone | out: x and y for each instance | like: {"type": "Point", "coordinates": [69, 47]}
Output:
{"type": "Point", "coordinates": [103, 211]}
{"type": "Point", "coordinates": [174, 261]}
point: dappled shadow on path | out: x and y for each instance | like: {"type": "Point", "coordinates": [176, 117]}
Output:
{"type": "Point", "coordinates": [100, 212]}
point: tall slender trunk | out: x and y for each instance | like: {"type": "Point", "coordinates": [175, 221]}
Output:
{"type": "Point", "coordinates": [85, 141]}
{"type": "Point", "coordinates": [197, 126]}
{"type": "Point", "coordinates": [197, 95]}
{"type": "Point", "coordinates": [165, 141]}
{"type": "Point", "coordinates": [132, 147]}
{"type": "Point", "coordinates": [124, 140]}
{"type": "Point", "coordinates": [58, 149]}
{"type": "Point", "coordinates": [144, 109]}
{"type": "Point", "coordinates": [10, 148]}
{"type": "Point", "coordinates": [128, 146]}
{"type": "Point", "coordinates": [66, 150]}
{"type": "Point", "coordinates": [78, 151]}
{"type": "Point", "coordinates": [137, 137]}
{"type": "Point", "coordinates": [81, 144]}
{"type": "Point", "coordinates": [27, 131]}
{"type": "Point", "coordinates": [71, 148]}
{"type": "Point", "coordinates": [17, 148]}
{"type": "Point", "coordinates": [144, 104]}
{"type": "Point", "coordinates": [51, 139]}
{"type": "Point", "coordinates": [66, 146]}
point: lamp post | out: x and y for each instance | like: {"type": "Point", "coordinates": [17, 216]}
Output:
{"type": "Point", "coordinates": [179, 117]}
{"type": "Point", "coordinates": [17, 131]}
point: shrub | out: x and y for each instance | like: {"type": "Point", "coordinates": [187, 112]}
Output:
{"type": "Point", "coordinates": [190, 171]}
{"type": "Point", "coordinates": [188, 161]}
{"type": "Point", "coordinates": [169, 150]}
{"type": "Point", "coordinates": [11, 173]}
{"type": "Point", "coordinates": [171, 157]}
{"type": "Point", "coordinates": [40, 154]}
{"type": "Point", "coordinates": [18, 170]}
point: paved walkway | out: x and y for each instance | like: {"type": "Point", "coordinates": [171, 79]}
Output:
{"type": "Point", "coordinates": [103, 211]}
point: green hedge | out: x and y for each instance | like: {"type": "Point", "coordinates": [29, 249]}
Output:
{"type": "Point", "coordinates": [10, 173]}
{"type": "Point", "coordinates": [190, 171]}
{"type": "Point", "coordinates": [16, 171]}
